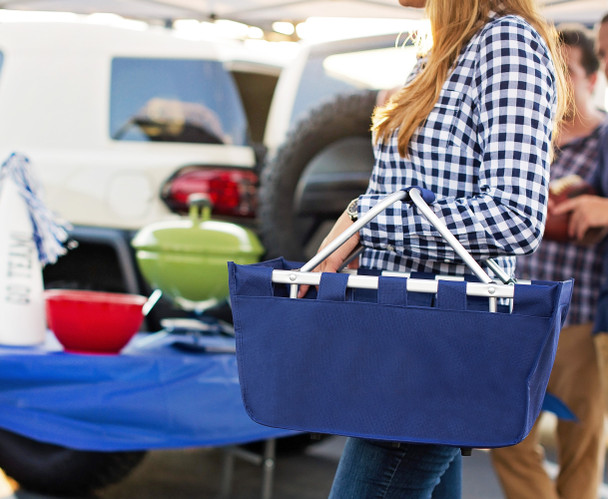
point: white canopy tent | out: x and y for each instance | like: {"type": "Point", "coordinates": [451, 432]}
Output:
{"type": "Point", "coordinates": [263, 12]}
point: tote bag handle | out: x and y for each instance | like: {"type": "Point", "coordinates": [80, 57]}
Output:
{"type": "Point", "coordinates": [421, 198]}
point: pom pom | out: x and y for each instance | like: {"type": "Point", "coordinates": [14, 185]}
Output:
{"type": "Point", "coordinates": [49, 233]}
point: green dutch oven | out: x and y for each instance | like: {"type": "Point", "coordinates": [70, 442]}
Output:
{"type": "Point", "coordinates": [187, 258]}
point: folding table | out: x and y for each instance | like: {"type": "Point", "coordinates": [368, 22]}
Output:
{"type": "Point", "coordinates": [159, 394]}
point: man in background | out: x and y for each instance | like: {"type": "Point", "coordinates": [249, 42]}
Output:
{"type": "Point", "coordinates": [575, 378]}
{"type": "Point", "coordinates": [591, 212]}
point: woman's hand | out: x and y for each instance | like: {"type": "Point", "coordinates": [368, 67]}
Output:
{"type": "Point", "coordinates": [586, 212]}
{"type": "Point", "coordinates": [334, 261]}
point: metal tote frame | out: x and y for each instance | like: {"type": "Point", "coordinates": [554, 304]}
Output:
{"type": "Point", "coordinates": [486, 288]}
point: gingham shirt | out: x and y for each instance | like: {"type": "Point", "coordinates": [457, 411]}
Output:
{"type": "Point", "coordinates": [483, 151]}
{"type": "Point", "coordinates": [556, 261]}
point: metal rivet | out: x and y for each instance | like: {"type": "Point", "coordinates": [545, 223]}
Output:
{"type": "Point", "coordinates": [292, 277]}
{"type": "Point", "coordinates": [491, 290]}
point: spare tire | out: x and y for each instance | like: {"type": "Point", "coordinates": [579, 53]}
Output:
{"type": "Point", "coordinates": [324, 163]}
{"type": "Point", "coordinates": [55, 470]}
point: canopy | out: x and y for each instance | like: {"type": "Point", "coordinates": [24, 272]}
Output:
{"type": "Point", "coordinates": [263, 12]}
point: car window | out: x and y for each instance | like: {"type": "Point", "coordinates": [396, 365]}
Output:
{"type": "Point", "coordinates": [329, 74]}
{"type": "Point", "coordinates": [256, 91]}
{"type": "Point", "coordinates": [175, 100]}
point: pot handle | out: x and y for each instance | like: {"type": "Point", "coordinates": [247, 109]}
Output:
{"type": "Point", "coordinates": [200, 207]}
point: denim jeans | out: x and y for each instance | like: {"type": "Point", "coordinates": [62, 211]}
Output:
{"type": "Point", "coordinates": [371, 469]}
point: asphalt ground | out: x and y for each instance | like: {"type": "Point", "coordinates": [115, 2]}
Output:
{"type": "Point", "coordinates": [198, 474]}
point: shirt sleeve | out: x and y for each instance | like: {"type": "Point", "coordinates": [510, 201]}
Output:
{"type": "Point", "coordinates": [601, 317]}
{"type": "Point", "coordinates": [600, 178]}
{"type": "Point", "coordinates": [500, 209]}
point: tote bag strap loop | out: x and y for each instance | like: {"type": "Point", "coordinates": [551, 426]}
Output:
{"type": "Point", "coordinates": [252, 279]}
{"type": "Point", "coordinates": [332, 286]}
{"type": "Point", "coordinates": [529, 300]}
{"type": "Point", "coordinates": [392, 290]}
{"type": "Point", "coordinates": [452, 295]}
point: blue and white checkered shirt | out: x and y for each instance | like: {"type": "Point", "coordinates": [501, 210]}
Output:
{"type": "Point", "coordinates": [555, 261]}
{"type": "Point", "coordinates": [483, 151]}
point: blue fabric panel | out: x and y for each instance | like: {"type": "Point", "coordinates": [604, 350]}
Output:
{"type": "Point", "coordinates": [528, 299]}
{"type": "Point", "coordinates": [148, 398]}
{"type": "Point", "coordinates": [553, 404]}
{"type": "Point", "coordinates": [249, 282]}
{"type": "Point", "coordinates": [452, 295]}
{"type": "Point", "coordinates": [332, 287]}
{"type": "Point", "coordinates": [392, 291]}
{"type": "Point", "coordinates": [428, 196]}
{"type": "Point", "coordinates": [412, 372]}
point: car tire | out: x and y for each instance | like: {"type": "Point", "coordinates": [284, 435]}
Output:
{"type": "Point", "coordinates": [55, 470]}
{"type": "Point", "coordinates": [325, 162]}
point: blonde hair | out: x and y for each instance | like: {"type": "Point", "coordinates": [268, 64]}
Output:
{"type": "Point", "coordinates": [453, 24]}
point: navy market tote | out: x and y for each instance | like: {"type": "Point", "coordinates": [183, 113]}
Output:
{"type": "Point", "coordinates": [395, 357]}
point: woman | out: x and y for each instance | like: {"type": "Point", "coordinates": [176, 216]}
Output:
{"type": "Point", "coordinates": [474, 125]}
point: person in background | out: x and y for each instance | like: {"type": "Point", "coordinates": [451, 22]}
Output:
{"type": "Point", "coordinates": [602, 43]}
{"type": "Point", "coordinates": [474, 125]}
{"type": "Point", "coordinates": [591, 212]}
{"type": "Point", "coordinates": [575, 376]}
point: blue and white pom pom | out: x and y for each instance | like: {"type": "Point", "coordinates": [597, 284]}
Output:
{"type": "Point", "coordinates": [49, 233]}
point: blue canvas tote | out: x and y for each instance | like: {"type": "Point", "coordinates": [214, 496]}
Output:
{"type": "Point", "coordinates": [385, 362]}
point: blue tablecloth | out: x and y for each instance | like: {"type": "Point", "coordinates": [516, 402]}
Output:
{"type": "Point", "coordinates": [152, 395]}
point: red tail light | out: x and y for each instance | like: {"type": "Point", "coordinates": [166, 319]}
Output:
{"type": "Point", "coordinates": [233, 192]}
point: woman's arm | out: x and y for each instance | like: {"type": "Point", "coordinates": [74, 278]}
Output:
{"type": "Point", "coordinates": [503, 208]}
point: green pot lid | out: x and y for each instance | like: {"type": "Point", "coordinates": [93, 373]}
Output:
{"type": "Point", "coordinates": [197, 234]}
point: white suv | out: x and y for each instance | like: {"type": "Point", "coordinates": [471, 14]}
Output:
{"type": "Point", "coordinates": [319, 139]}
{"type": "Point", "coordinates": [121, 125]}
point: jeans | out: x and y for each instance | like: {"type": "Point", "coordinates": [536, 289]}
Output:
{"type": "Point", "coordinates": [371, 469]}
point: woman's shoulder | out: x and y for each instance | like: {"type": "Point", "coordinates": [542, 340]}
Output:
{"type": "Point", "coordinates": [510, 27]}
{"type": "Point", "coordinates": [501, 32]}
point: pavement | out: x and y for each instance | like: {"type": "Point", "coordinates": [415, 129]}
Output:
{"type": "Point", "coordinates": [197, 474]}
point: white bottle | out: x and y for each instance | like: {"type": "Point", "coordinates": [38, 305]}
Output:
{"type": "Point", "coordinates": [22, 306]}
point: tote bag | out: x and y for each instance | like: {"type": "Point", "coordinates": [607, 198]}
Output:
{"type": "Point", "coordinates": [395, 358]}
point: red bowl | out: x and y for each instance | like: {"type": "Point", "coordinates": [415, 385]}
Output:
{"type": "Point", "coordinates": [93, 321]}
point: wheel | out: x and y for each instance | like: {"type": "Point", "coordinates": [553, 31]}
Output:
{"type": "Point", "coordinates": [52, 469]}
{"type": "Point", "coordinates": [324, 163]}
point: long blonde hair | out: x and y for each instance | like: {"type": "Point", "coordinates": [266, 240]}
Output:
{"type": "Point", "coordinates": [453, 24]}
